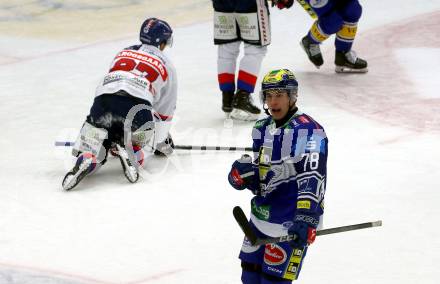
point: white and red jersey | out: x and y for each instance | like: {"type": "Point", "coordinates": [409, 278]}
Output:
{"type": "Point", "coordinates": [145, 72]}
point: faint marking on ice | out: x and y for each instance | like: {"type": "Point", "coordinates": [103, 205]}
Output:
{"type": "Point", "coordinates": [30, 10]}
{"type": "Point", "coordinates": [389, 93]}
{"type": "Point", "coordinates": [414, 60]}
{"type": "Point", "coordinates": [16, 274]}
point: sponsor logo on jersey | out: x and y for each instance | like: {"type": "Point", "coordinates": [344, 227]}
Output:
{"type": "Point", "coordinates": [304, 204]}
{"type": "Point", "coordinates": [261, 212]}
{"type": "Point", "coordinates": [294, 264]}
{"type": "Point", "coordinates": [274, 269]}
{"type": "Point", "coordinates": [154, 62]}
{"type": "Point", "coordinates": [274, 254]}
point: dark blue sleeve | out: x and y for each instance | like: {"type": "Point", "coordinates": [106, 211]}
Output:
{"type": "Point", "coordinates": [310, 156]}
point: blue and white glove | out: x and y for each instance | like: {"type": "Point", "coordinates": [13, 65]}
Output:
{"type": "Point", "coordinates": [304, 227]}
{"type": "Point", "coordinates": [244, 174]}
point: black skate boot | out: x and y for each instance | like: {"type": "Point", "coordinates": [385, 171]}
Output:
{"type": "Point", "coordinates": [243, 107]}
{"type": "Point", "coordinates": [313, 51]}
{"type": "Point", "coordinates": [348, 62]}
{"type": "Point", "coordinates": [81, 169]}
{"type": "Point", "coordinates": [227, 98]}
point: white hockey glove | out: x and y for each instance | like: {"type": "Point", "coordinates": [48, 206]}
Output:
{"type": "Point", "coordinates": [165, 148]}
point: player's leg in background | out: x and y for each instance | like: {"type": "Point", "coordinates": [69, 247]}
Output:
{"type": "Point", "coordinates": [131, 128]}
{"type": "Point", "coordinates": [350, 12]}
{"type": "Point", "coordinates": [328, 23]}
{"type": "Point", "coordinates": [90, 149]}
{"type": "Point", "coordinates": [226, 65]}
{"type": "Point", "coordinates": [254, 26]}
{"type": "Point", "coordinates": [228, 41]}
{"type": "Point", "coordinates": [250, 66]}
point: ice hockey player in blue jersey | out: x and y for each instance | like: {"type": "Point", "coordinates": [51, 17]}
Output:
{"type": "Point", "coordinates": [134, 104]}
{"type": "Point", "coordinates": [287, 176]}
{"type": "Point", "coordinates": [339, 17]}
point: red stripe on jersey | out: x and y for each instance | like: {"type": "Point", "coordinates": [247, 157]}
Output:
{"type": "Point", "coordinates": [145, 58]}
{"type": "Point", "coordinates": [247, 77]}
{"type": "Point", "coordinates": [163, 117]}
{"type": "Point", "coordinates": [226, 78]}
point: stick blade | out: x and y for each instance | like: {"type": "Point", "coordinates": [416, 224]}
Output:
{"type": "Point", "coordinates": [242, 221]}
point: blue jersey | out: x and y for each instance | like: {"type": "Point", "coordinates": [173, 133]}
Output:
{"type": "Point", "coordinates": [295, 155]}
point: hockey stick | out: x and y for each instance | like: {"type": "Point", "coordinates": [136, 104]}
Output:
{"type": "Point", "coordinates": [242, 221]}
{"type": "Point", "coordinates": [308, 9]}
{"type": "Point", "coordinates": [181, 147]}
{"type": "Point", "coordinates": [212, 148]}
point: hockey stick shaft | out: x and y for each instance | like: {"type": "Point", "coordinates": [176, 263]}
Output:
{"type": "Point", "coordinates": [242, 221]}
{"type": "Point", "coordinates": [212, 148]}
{"type": "Point", "coordinates": [181, 147]}
{"type": "Point", "coordinates": [308, 9]}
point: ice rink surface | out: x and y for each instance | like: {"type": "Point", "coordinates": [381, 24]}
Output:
{"type": "Point", "coordinates": [175, 225]}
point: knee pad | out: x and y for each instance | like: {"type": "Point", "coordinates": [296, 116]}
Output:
{"type": "Point", "coordinates": [91, 140]}
{"type": "Point", "coordinates": [351, 12]}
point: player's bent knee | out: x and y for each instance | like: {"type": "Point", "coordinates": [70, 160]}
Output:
{"type": "Point", "coordinates": [90, 140]}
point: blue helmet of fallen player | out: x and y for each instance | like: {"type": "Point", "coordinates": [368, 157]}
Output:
{"type": "Point", "coordinates": [155, 32]}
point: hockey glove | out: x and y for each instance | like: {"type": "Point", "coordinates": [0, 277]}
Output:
{"type": "Point", "coordinates": [304, 227]}
{"type": "Point", "coordinates": [281, 4]}
{"type": "Point", "coordinates": [243, 174]}
{"type": "Point", "coordinates": [165, 148]}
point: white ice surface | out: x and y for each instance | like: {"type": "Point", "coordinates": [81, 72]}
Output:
{"type": "Point", "coordinates": [175, 225]}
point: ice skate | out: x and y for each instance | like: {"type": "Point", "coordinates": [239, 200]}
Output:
{"type": "Point", "coordinates": [313, 51]}
{"type": "Point", "coordinates": [243, 107]}
{"type": "Point", "coordinates": [83, 166]}
{"type": "Point", "coordinates": [130, 171]}
{"type": "Point", "coordinates": [348, 62]}
{"type": "Point", "coordinates": [227, 98]}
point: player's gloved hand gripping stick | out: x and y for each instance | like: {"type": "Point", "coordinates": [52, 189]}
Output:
{"type": "Point", "coordinates": [242, 221]}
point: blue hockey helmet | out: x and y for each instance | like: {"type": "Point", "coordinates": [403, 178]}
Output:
{"type": "Point", "coordinates": [282, 79]}
{"type": "Point", "coordinates": [155, 32]}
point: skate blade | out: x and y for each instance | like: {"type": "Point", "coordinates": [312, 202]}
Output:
{"type": "Point", "coordinates": [243, 115]}
{"type": "Point", "coordinates": [348, 70]}
{"type": "Point", "coordinates": [130, 172]}
{"type": "Point", "coordinates": [72, 180]}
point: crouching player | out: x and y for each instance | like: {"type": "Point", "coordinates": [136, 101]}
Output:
{"type": "Point", "coordinates": [287, 177]}
{"type": "Point", "coordinates": [137, 96]}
